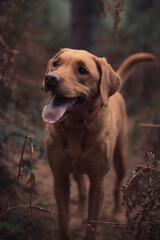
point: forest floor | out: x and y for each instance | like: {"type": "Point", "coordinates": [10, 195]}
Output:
{"type": "Point", "coordinates": [44, 187]}
{"type": "Point", "coordinates": [44, 225]}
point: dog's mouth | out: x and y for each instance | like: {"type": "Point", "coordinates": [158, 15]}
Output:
{"type": "Point", "coordinates": [59, 107]}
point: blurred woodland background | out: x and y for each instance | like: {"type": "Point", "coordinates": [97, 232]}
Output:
{"type": "Point", "coordinates": [31, 32]}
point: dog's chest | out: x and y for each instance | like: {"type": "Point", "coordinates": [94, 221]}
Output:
{"type": "Point", "coordinates": [76, 143]}
{"type": "Point", "coordinates": [82, 149]}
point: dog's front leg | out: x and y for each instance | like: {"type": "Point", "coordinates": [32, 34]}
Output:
{"type": "Point", "coordinates": [96, 193]}
{"type": "Point", "coordinates": [61, 189]}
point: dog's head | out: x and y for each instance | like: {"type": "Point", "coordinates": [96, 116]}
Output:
{"type": "Point", "coordinates": [74, 77]}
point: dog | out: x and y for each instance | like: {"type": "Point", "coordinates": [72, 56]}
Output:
{"type": "Point", "coordinates": [86, 129]}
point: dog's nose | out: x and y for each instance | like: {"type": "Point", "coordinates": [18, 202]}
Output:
{"type": "Point", "coordinates": [52, 80]}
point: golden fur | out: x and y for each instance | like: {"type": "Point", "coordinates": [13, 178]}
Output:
{"type": "Point", "coordinates": [91, 149]}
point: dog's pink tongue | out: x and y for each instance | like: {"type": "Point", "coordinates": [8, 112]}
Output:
{"type": "Point", "coordinates": [55, 109]}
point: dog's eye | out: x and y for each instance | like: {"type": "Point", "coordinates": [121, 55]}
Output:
{"type": "Point", "coordinates": [55, 64]}
{"type": "Point", "coordinates": [82, 71]}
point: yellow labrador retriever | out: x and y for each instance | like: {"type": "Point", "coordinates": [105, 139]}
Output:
{"type": "Point", "coordinates": [86, 128]}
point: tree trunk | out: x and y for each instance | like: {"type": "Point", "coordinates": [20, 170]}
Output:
{"type": "Point", "coordinates": [85, 22]}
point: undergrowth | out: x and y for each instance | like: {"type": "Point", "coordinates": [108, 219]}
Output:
{"type": "Point", "coordinates": [141, 198]}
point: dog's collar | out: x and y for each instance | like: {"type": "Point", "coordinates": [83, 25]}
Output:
{"type": "Point", "coordinates": [91, 118]}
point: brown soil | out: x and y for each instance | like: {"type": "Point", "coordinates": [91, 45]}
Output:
{"type": "Point", "coordinates": [43, 225]}
{"type": "Point", "coordinates": [44, 188]}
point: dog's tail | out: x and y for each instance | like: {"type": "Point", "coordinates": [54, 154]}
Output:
{"type": "Point", "coordinates": [128, 66]}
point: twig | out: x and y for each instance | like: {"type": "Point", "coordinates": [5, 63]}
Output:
{"type": "Point", "coordinates": [27, 23]}
{"type": "Point", "coordinates": [151, 168]}
{"type": "Point", "coordinates": [102, 8]}
{"type": "Point", "coordinates": [115, 10]}
{"type": "Point", "coordinates": [18, 176]}
{"type": "Point", "coordinates": [154, 125]}
{"type": "Point", "coordinates": [31, 181]}
{"type": "Point", "coordinates": [18, 38]}
{"type": "Point", "coordinates": [28, 205]}
{"type": "Point", "coordinates": [135, 174]}
{"type": "Point", "coordinates": [3, 43]}
{"type": "Point", "coordinates": [104, 222]}
{"type": "Point", "coordinates": [17, 179]}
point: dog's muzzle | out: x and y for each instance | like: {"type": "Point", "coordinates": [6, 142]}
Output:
{"type": "Point", "coordinates": [59, 105]}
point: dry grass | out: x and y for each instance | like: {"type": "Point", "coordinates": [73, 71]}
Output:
{"type": "Point", "coordinates": [141, 198]}
{"type": "Point", "coordinates": [13, 224]}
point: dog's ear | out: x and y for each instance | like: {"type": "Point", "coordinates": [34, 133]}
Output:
{"type": "Point", "coordinates": [110, 81]}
